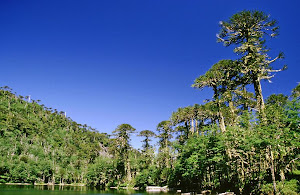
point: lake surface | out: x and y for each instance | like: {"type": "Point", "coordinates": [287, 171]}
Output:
{"type": "Point", "coordinates": [64, 190]}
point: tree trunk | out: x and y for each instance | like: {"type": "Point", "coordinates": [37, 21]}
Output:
{"type": "Point", "coordinates": [219, 113]}
{"type": "Point", "coordinates": [259, 97]}
{"type": "Point", "coordinates": [221, 122]}
{"type": "Point", "coordinates": [197, 128]}
{"type": "Point", "coordinates": [232, 110]}
{"type": "Point", "coordinates": [128, 171]}
{"type": "Point", "coordinates": [192, 126]}
{"type": "Point", "coordinates": [282, 176]}
{"type": "Point", "coordinates": [53, 179]}
{"type": "Point", "coordinates": [272, 168]}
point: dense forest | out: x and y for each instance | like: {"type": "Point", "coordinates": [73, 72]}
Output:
{"type": "Point", "coordinates": [235, 141]}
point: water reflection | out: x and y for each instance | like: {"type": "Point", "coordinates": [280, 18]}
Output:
{"type": "Point", "coordinates": [66, 189]}
{"type": "Point", "coordinates": [61, 187]}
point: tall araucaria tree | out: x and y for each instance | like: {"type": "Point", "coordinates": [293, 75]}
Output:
{"type": "Point", "coordinates": [248, 30]}
{"type": "Point", "coordinates": [221, 77]}
{"type": "Point", "coordinates": [148, 150]}
{"type": "Point", "coordinates": [122, 134]}
{"type": "Point", "coordinates": [148, 135]}
{"type": "Point", "coordinates": [165, 135]}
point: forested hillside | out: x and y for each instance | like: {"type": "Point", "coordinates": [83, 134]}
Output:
{"type": "Point", "coordinates": [39, 144]}
{"type": "Point", "coordinates": [236, 141]}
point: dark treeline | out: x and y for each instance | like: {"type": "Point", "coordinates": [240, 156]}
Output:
{"type": "Point", "coordinates": [236, 141]}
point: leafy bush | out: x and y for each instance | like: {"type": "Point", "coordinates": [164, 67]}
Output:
{"type": "Point", "coordinates": [287, 188]}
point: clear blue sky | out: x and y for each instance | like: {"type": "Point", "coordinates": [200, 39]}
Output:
{"type": "Point", "coordinates": [111, 62]}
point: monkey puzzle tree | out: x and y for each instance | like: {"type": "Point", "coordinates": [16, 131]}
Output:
{"type": "Point", "coordinates": [147, 134]}
{"type": "Point", "coordinates": [188, 121]}
{"type": "Point", "coordinates": [222, 77]}
{"type": "Point", "coordinates": [165, 130]}
{"type": "Point", "coordinates": [248, 30]}
{"type": "Point", "coordinates": [122, 134]}
{"type": "Point", "coordinates": [147, 151]}
{"type": "Point", "coordinates": [164, 156]}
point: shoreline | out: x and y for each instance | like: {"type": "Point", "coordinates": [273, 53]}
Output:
{"type": "Point", "coordinates": [21, 184]}
{"type": "Point", "coordinates": [45, 184]}
{"type": "Point", "coordinates": [60, 184]}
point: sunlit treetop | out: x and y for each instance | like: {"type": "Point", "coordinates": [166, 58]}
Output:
{"type": "Point", "coordinates": [247, 26]}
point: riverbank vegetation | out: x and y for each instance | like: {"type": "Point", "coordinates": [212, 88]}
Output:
{"type": "Point", "coordinates": [235, 141]}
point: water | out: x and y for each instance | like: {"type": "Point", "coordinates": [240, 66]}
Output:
{"type": "Point", "coordinates": [65, 190]}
